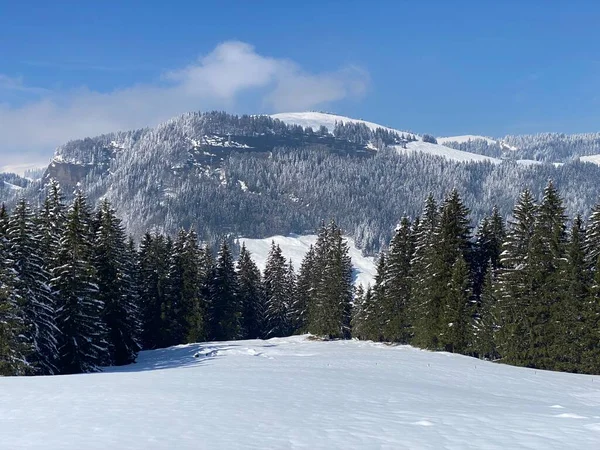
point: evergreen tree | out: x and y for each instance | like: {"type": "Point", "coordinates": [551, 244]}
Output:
{"type": "Point", "coordinates": [251, 296]}
{"type": "Point", "coordinates": [421, 309]}
{"type": "Point", "coordinates": [547, 255]}
{"type": "Point", "coordinates": [458, 309]}
{"type": "Point", "coordinates": [13, 349]}
{"type": "Point", "coordinates": [514, 283]}
{"type": "Point", "coordinates": [152, 273]}
{"type": "Point", "coordinates": [573, 308]}
{"type": "Point", "coordinates": [398, 295]}
{"type": "Point", "coordinates": [116, 289]}
{"type": "Point", "coordinates": [305, 286]}
{"type": "Point", "coordinates": [276, 296]}
{"type": "Point", "coordinates": [486, 323]}
{"type": "Point", "coordinates": [331, 305]}
{"type": "Point", "coordinates": [82, 345]}
{"type": "Point", "coordinates": [224, 301]}
{"type": "Point", "coordinates": [36, 305]}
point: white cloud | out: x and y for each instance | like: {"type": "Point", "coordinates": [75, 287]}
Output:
{"type": "Point", "coordinates": [216, 80]}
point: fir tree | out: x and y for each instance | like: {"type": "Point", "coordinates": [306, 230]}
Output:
{"type": "Point", "coordinates": [398, 295]}
{"type": "Point", "coordinates": [514, 283]}
{"type": "Point", "coordinates": [331, 305]}
{"type": "Point", "coordinates": [276, 295]}
{"type": "Point", "coordinates": [305, 286]}
{"type": "Point", "coordinates": [116, 289]}
{"type": "Point", "coordinates": [224, 299]}
{"type": "Point", "coordinates": [36, 305]}
{"type": "Point", "coordinates": [421, 309]}
{"type": "Point", "coordinates": [251, 296]}
{"type": "Point", "coordinates": [82, 346]}
{"type": "Point", "coordinates": [486, 323]}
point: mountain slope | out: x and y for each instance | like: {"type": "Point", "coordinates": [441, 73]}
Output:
{"type": "Point", "coordinates": [294, 393]}
{"type": "Point", "coordinates": [295, 247]}
{"type": "Point", "coordinates": [318, 119]}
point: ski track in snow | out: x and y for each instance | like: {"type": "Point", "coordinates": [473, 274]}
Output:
{"type": "Point", "coordinates": [295, 393]}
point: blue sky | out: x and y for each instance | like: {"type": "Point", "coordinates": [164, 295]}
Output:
{"type": "Point", "coordinates": [71, 69]}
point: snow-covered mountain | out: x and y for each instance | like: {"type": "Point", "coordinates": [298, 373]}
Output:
{"type": "Point", "coordinates": [295, 247]}
{"type": "Point", "coordinates": [297, 393]}
{"type": "Point", "coordinates": [318, 119]}
{"type": "Point", "coordinates": [260, 176]}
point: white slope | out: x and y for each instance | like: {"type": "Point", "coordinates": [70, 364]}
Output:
{"type": "Point", "coordinates": [293, 393]}
{"type": "Point", "coordinates": [465, 138]}
{"type": "Point", "coordinates": [446, 152]}
{"type": "Point", "coordinates": [316, 119]}
{"type": "Point", "coordinates": [594, 159]}
{"type": "Point", "coordinates": [12, 187]}
{"type": "Point", "coordinates": [294, 247]}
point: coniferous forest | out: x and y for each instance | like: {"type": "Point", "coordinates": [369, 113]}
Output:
{"type": "Point", "coordinates": [76, 293]}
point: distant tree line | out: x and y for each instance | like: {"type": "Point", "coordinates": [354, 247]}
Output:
{"type": "Point", "coordinates": [77, 294]}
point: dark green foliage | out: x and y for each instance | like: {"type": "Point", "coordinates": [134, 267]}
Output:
{"type": "Point", "coordinates": [251, 295]}
{"type": "Point", "coordinates": [278, 308]}
{"type": "Point", "coordinates": [330, 305]}
{"type": "Point", "coordinates": [153, 270]}
{"type": "Point", "coordinates": [225, 307]}
{"type": "Point", "coordinates": [36, 302]}
{"type": "Point", "coordinates": [114, 262]}
{"type": "Point", "coordinates": [396, 302]}
{"type": "Point", "coordinates": [82, 344]}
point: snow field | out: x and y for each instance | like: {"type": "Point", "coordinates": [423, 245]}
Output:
{"type": "Point", "coordinates": [297, 393]}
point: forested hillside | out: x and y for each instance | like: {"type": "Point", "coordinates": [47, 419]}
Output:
{"type": "Point", "coordinates": [256, 176]}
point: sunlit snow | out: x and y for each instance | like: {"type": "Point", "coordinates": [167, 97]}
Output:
{"type": "Point", "coordinates": [294, 247]}
{"type": "Point", "coordinates": [294, 393]}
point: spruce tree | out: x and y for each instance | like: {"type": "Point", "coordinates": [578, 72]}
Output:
{"type": "Point", "coordinates": [36, 305]}
{"type": "Point", "coordinates": [331, 305]}
{"type": "Point", "coordinates": [458, 309]}
{"type": "Point", "coordinates": [116, 289]}
{"type": "Point", "coordinates": [398, 295]}
{"type": "Point", "coordinates": [547, 255]}
{"type": "Point", "coordinates": [152, 272]}
{"type": "Point", "coordinates": [13, 349]}
{"type": "Point", "coordinates": [421, 311]}
{"type": "Point", "coordinates": [305, 286]}
{"type": "Point", "coordinates": [251, 296]}
{"type": "Point", "coordinates": [82, 345]}
{"type": "Point", "coordinates": [486, 322]}
{"type": "Point", "coordinates": [224, 298]}
{"type": "Point", "coordinates": [276, 296]}
{"type": "Point", "coordinates": [515, 285]}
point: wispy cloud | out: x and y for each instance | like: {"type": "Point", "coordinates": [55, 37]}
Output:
{"type": "Point", "coordinates": [217, 80]}
{"type": "Point", "coordinates": [16, 84]}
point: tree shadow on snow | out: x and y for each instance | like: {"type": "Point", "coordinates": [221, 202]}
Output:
{"type": "Point", "coordinates": [182, 356]}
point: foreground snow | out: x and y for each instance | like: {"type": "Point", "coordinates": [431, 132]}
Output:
{"type": "Point", "coordinates": [295, 393]}
{"type": "Point", "coordinates": [294, 247]}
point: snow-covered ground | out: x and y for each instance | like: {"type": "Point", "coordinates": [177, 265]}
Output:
{"type": "Point", "coordinates": [316, 119]}
{"type": "Point", "coordinates": [446, 152]}
{"type": "Point", "coordinates": [294, 393]}
{"type": "Point", "coordinates": [12, 187]}
{"type": "Point", "coordinates": [465, 138]}
{"type": "Point", "coordinates": [595, 159]}
{"type": "Point", "coordinates": [294, 247]}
